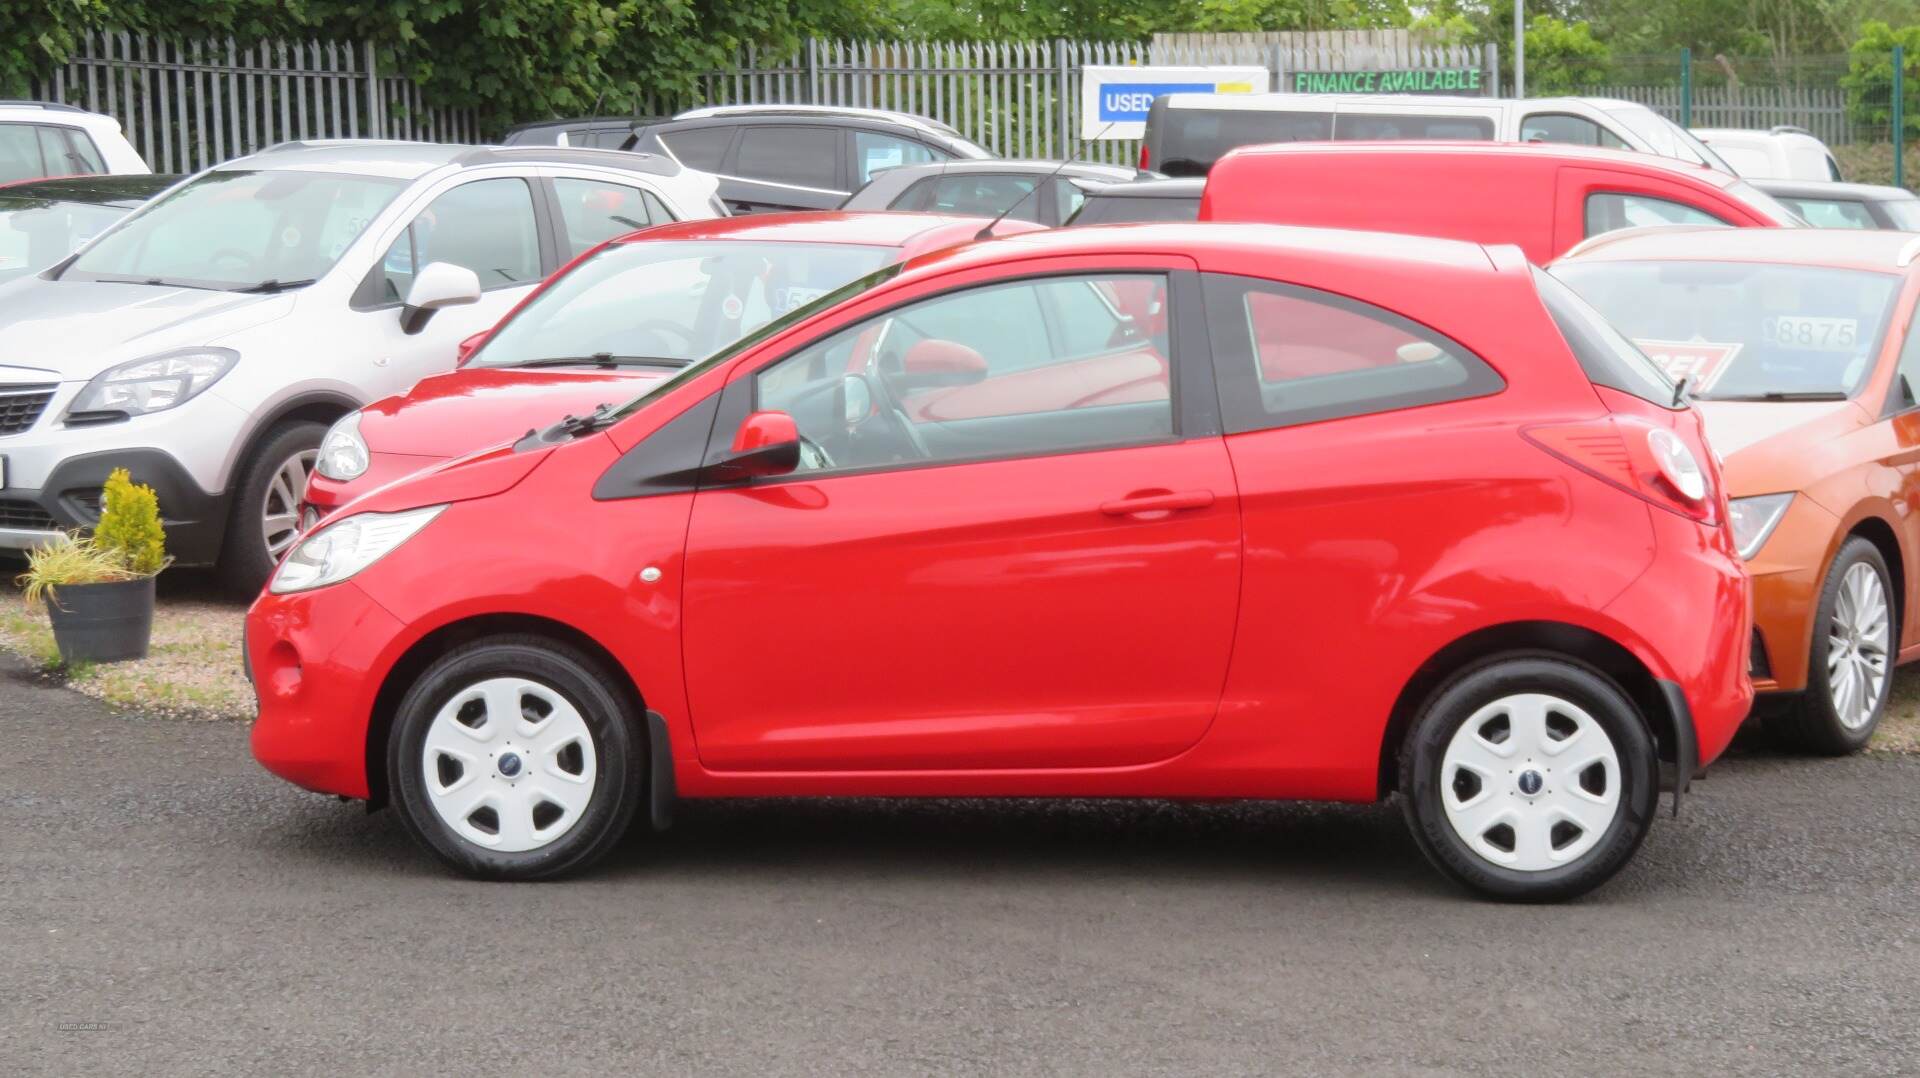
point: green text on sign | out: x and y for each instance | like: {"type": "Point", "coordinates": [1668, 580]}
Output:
{"type": "Point", "coordinates": [1439, 80]}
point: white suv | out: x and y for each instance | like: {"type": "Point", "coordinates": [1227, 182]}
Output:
{"type": "Point", "coordinates": [43, 138]}
{"type": "Point", "coordinates": [207, 340]}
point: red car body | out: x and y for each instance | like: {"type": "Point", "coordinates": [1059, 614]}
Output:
{"type": "Point", "coordinates": [1544, 198]}
{"type": "Point", "coordinates": [452, 414]}
{"type": "Point", "coordinates": [1218, 614]}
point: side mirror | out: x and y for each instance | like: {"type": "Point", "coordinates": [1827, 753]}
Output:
{"type": "Point", "coordinates": [767, 443]}
{"type": "Point", "coordinates": [942, 363]}
{"type": "Point", "coordinates": [437, 285]}
{"type": "Point", "coordinates": [471, 345]}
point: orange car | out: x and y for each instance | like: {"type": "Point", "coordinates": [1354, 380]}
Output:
{"type": "Point", "coordinates": [1798, 346]}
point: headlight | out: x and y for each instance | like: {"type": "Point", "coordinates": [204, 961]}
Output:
{"type": "Point", "coordinates": [1754, 519]}
{"type": "Point", "coordinates": [343, 453]}
{"type": "Point", "coordinates": [153, 384]}
{"type": "Point", "coordinates": [338, 551]}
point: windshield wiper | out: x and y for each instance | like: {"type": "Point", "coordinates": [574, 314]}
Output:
{"type": "Point", "coordinates": [1797, 395]}
{"type": "Point", "coordinates": [159, 282]}
{"type": "Point", "coordinates": [604, 359]}
{"type": "Point", "coordinates": [274, 286]}
{"type": "Point", "coordinates": [569, 427]}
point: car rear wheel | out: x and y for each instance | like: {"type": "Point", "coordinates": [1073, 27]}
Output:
{"type": "Point", "coordinates": [265, 519]}
{"type": "Point", "coordinates": [515, 758]}
{"type": "Point", "coordinates": [1530, 778]}
{"type": "Point", "coordinates": [1849, 672]}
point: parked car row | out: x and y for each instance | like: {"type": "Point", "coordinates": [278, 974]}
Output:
{"type": "Point", "coordinates": [1330, 493]}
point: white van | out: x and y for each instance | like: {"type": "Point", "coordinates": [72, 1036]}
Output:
{"type": "Point", "coordinates": [1187, 133]}
{"type": "Point", "coordinates": [1784, 153]}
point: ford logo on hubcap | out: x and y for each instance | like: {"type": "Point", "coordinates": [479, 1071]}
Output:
{"type": "Point", "coordinates": [1531, 782]}
{"type": "Point", "coordinates": [510, 764]}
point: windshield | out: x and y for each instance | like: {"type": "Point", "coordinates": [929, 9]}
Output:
{"type": "Point", "coordinates": [1745, 330]}
{"type": "Point", "coordinates": [1765, 203]}
{"type": "Point", "coordinates": [1905, 214]}
{"type": "Point", "coordinates": [1669, 139]}
{"type": "Point", "coordinates": [234, 230]}
{"type": "Point", "coordinates": [667, 300]}
{"type": "Point", "coordinates": [840, 295]}
{"type": "Point", "coordinates": [37, 232]}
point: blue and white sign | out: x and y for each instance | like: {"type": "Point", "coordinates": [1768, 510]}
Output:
{"type": "Point", "coordinates": [1114, 99]}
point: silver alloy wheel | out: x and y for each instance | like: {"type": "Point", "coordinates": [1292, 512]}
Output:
{"type": "Point", "coordinates": [1857, 639]}
{"type": "Point", "coordinates": [509, 764]}
{"type": "Point", "coordinates": [280, 509]}
{"type": "Point", "coordinates": [1530, 782]}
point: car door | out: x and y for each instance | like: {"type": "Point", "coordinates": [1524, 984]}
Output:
{"type": "Point", "coordinates": [1898, 442]}
{"type": "Point", "coordinates": [495, 225]}
{"type": "Point", "coordinates": [1012, 542]}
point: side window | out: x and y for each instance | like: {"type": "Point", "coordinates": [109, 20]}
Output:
{"type": "Point", "coordinates": [875, 151]}
{"type": "Point", "coordinates": [20, 157]}
{"type": "Point", "coordinates": [1018, 369]}
{"type": "Point", "coordinates": [799, 156]}
{"type": "Point", "coordinates": [591, 211]}
{"type": "Point", "coordinates": [1365, 127]}
{"type": "Point", "coordinates": [1609, 210]}
{"type": "Point", "coordinates": [1831, 213]}
{"type": "Point", "coordinates": [1906, 378]}
{"type": "Point", "coordinates": [1569, 129]}
{"type": "Point", "coordinates": [1286, 355]}
{"type": "Point", "coordinates": [84, 154]}
{"type": "Point", "coordinates": [486, 226]}
{"type": "Point", "coordinates": [975, 194]}
{"type": "Point", "coordinates": [657, 211]}
{"type": "Point", "coordinates": [703, 148]}
{"type": "Point", "coordinates": [1068, 197]}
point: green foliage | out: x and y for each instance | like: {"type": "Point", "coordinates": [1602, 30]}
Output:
{"type": "Point", "coordinates": [70, 560]}
{"type": "Point", "coordinates": [1562, 56]}
{"type": "Point", "coordinates": [1869, 78]}
{"type": "Point", "coordinates": [129, 527]}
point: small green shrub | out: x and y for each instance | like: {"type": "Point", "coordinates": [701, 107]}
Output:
{"type": "Point", "coordinates": [129, 525]}
{"type": "Point", "coordinates": [70, 560]}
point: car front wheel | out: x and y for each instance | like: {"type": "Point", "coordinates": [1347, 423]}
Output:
{"type": "Point", "coordinates": [265, 519]}
{"type": "Point", "coordinates": [1531, 778]}
{"type": "Point", "coordinates": [515, 758]}
{"type": "Point", "coordinates": [1851, 662]}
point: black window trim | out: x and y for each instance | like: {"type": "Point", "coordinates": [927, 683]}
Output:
{"type": "Point", "coordinates": [1238, 377]}
{"type": "Point", "coordinates": [1194, 403]}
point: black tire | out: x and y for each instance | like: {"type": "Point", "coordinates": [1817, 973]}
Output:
{"type": "Point", "coordinates": [1454, 703]}
{"type": "Point", "coordinates": [1811, 723]}
{"type": "Point", "coordinates": [619, 756]}
{"type": "Point", "coordinates": [245, 563]}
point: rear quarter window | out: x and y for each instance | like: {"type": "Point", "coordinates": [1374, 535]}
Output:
{"type": "Point", "coordinates": [1188, 141]}
{"type": "Point", "coordinates": [1605, 354]}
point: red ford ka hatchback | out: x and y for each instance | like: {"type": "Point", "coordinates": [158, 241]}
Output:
{"type": "Point", "coordinates": [614, 319]}
{"type": "Point", "coordinates": [1332, 515]}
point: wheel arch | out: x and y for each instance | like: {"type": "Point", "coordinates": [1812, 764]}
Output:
{"type": "Point", "coordinates": [318, 406]}
{"type": "Point", "coordinates": [422, 653]}
{"type": "Point", "coordinates": [1875, 529]}
{"type": "Point", "coordinates": [1581, 644]}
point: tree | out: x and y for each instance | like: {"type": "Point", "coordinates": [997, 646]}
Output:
{"type": "Point", "coordinates": [1869, 78]}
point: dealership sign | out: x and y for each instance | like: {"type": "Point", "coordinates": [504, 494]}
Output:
{"type": "Point", "coordinates": [1428, 80]}
{"type": "Point", "coordinates": [1114, 99]}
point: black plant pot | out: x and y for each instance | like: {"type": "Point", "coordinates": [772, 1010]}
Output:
{"type": "Point", "coordinates": [102, 623]}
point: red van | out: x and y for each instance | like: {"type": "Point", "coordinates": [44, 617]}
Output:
{"type": "Point", "coordinates": [1543, 198]}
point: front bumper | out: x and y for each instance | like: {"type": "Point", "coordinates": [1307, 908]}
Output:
{"type": "Point", "coordinates": [70, 498]}
{"type": "Point", "coordinates": [1787, 575]}
{"type": "Point", "coordinates": [316, 659]}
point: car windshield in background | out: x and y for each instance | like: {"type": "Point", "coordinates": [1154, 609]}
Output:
{"type": "Point", "coordinates": [237, 230]}
{"type": "Point", "coordinates": [672, 301]}
{"type": "Point", "coordinates": [1745, 330]}
{"type": "Point", "coordinates": [37, 232]}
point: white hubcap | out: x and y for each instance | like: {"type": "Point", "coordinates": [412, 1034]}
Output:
{"type": "Point", "coordinates": [1530, 782]}
{"type": "Point", "coordinates": [509, 764]}
{"type": "Point", "coordinates": [1857, 646]}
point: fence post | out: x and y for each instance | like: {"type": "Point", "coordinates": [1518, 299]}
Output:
{"type": "Point", "coordinates": [376, 107]}
{"type": "Point", "coordinates": [1686, 88]}
{"type": "Point", "coordinates": [1062, 102]}
{"type": "Point", "coordinates": [813, 70]}
{"type": "Point", "coordinates": [1899, 116]}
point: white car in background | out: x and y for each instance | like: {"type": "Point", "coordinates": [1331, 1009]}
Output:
{"type": "Point", "coordinates": [206, 341]}
{"type": "Point", "coordinates": [39, 139]}
{"type": "Point", "coordinates": [1784, 153]}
